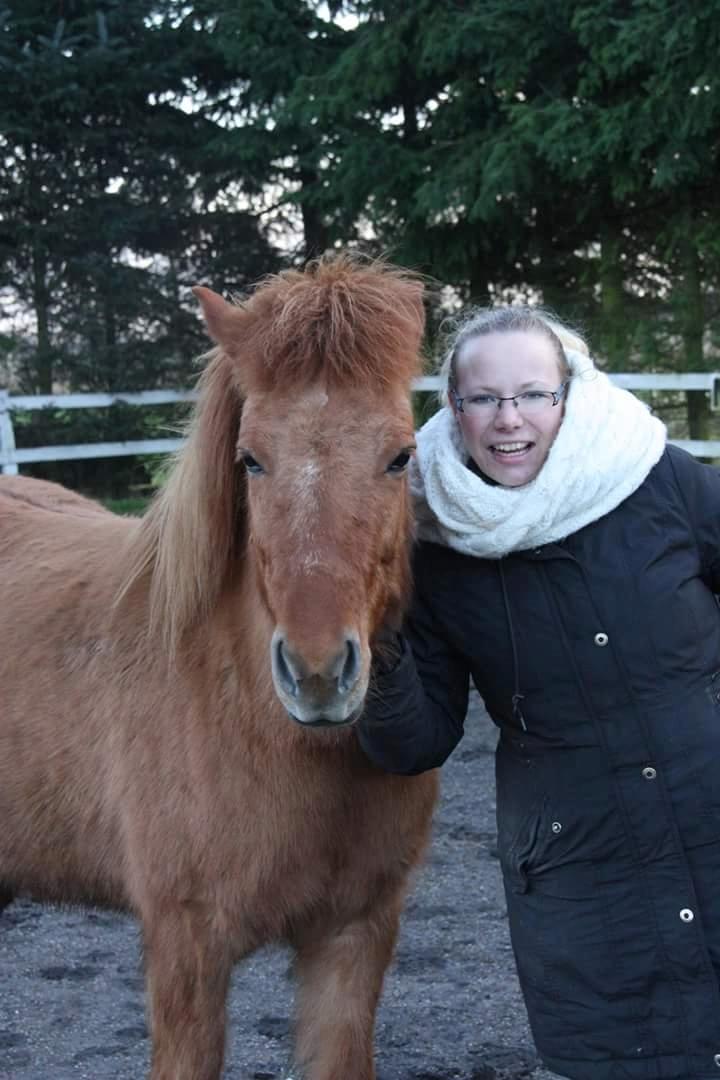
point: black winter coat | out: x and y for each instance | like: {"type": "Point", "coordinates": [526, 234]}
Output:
{"type": "Point", "coordinates": [607, 766]}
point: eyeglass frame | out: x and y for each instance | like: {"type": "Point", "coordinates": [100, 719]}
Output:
{"type": "Point", "coordinates": [556, 395]}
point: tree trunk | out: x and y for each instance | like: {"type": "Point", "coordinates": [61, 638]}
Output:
{"type": "Point", "coordinates": [315, 231]}
{"type": "Point", "coordinates": [41, 303]}
{"type": "Point", "coordinates": [116, 378]}
{"type": "Point", "coordinates": [692, 328]}
{"type": "Point", "coordinates": [479, 293]}
{"type": "Point", "coordinates": [410, 121]}
{"type": "Point", "coordinates": [612, 337]}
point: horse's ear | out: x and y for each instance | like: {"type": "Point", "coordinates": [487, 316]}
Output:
{"type": "Point", "coordinates": [221, 318]}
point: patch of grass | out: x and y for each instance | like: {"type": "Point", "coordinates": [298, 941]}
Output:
{"type": "Point", "coordinates": [132, 504]}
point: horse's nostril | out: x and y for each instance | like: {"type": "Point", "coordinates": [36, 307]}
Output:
{"type": "Point", "coordinates": [351, 668]}
{"type": "Point", "coordinates": [317, 679]}
{"type": "Point", "coordinates": [283, 670]}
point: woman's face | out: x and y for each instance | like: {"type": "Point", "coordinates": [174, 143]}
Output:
{"type": "Point", "coordinates": [505, 444]}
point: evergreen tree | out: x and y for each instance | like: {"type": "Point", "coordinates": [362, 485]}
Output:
{"type": "Point", "coordinates": [104, 225]}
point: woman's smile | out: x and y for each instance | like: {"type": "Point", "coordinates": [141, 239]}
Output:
{"type": "Point", "coordinates": [514, 449]}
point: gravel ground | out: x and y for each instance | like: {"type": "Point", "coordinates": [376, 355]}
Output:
{"type": "Point", "coordinates": [71, 991]}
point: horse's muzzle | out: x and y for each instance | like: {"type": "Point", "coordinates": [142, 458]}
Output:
{"type": "Point", "coordinates": [324, 691]}
{"type": "Point", "coordinates": [324, 722]}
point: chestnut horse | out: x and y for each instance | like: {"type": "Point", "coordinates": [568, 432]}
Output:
{"type": "Point", "coordinates": [178, 693]}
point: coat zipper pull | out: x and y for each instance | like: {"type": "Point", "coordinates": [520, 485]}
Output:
{"type": "Point", "coordinates": [517, 712]}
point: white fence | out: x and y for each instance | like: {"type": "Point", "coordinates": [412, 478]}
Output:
{"type": "Point", "coordinates": [12, 456]}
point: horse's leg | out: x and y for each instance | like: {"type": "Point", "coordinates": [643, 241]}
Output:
{"type": "Point", "coordinates": [187, 969]}
{"type": "Point", "coordinates": [340, 975]}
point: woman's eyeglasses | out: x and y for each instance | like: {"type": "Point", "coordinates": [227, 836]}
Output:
{"type": "Point", "coordinates": [528, 403]}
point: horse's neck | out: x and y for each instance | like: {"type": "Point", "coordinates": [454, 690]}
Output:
{"type": "Point", "coordinates": [233, 643]}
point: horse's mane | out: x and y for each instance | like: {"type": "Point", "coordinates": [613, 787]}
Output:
{"type": "Point", "coordinates": [348, 321]}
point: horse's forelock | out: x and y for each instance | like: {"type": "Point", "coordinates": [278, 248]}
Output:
{"type": "Point", "coordinates": [350, 323]}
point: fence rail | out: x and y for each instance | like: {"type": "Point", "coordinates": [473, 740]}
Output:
{"type": "Point", "coordinates": [12, 456]}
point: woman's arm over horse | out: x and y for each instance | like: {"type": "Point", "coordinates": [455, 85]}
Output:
{"type": "Point", "coordinates": [416, 710]}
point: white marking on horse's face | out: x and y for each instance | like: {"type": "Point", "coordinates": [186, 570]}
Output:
{"type": "Point", "coordinates": [316, 397]}
{"type": "Point", "coordinates": [307, 476]}
{"type": "Point", "coordinates": [304, 522]}
{"type": "Point", "coordinates": [305, 494]}
{"type": "Point", "coordinates": [310, 561]}
{"type": "Point", "coordinates": [306, 482]}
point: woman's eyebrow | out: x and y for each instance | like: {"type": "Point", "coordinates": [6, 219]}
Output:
{"type": "Point", "coordinates": [482, 389]}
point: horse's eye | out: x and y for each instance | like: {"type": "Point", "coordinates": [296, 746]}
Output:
{"type": "Point", "coordinates": [251, 464]}
{"type": "Point", "coordinates": [399, 463]}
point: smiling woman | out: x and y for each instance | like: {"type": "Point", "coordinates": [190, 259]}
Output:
{"type": "Point", "coordinates": [567, 564]}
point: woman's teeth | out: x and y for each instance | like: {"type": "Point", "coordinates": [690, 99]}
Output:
{"type": "Point", "coordinates": [511, 448]}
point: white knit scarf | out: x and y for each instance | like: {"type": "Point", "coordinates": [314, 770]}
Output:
{"type": "Point", "coordinates": [607, 444]}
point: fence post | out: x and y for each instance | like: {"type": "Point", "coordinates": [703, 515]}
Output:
{"type": "Point", "coordinates": [7, 437]}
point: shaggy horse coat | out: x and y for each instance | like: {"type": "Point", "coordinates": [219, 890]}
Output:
{"type": "Point", "coordinates": [179, 693]}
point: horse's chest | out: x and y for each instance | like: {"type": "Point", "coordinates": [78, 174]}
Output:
{"type": "Point", "coordinates": [309, 845]}
{"type": "Point", "coordinates": [360, 841]}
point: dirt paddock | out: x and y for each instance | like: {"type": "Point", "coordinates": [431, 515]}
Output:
{"type": "Point", "coordinates": [71, 991]}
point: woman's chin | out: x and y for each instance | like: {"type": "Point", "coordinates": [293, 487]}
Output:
{"type": "Point", "coordinates": [512, 473]}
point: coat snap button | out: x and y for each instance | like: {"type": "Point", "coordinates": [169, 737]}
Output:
{"type": "Point", "coordinates": [649, 773]}
{"type": "Point", "coordinates": [686, 915]}
{"type": "Point", "coordinates": [716, 1059]}
{"type": "Point", "coordinates": [556, 827]}
{"type": "Point", "coordinates": [601, 639]}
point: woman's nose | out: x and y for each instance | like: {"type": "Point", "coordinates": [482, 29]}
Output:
{"type": "Point", "coordinates": [508, 415]}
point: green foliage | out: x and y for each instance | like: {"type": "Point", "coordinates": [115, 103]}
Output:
{"type": "Point", "coordinates": [102, 226]}
{"type": "Point", "coordinates": [131, 506]}
{"type": "Point", "coordinates": [508, 148]}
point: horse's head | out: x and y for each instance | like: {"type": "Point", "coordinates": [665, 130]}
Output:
{"type": "Point", "coordinates": [328, 526]}
{"type": "Point", "coordinates": [297, 461]}
{"type": "Point", "coordinates": [323, 361]}
{"type": "Point", "coordinates": [295, 467]}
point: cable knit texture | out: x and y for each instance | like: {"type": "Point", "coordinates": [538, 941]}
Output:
{"type": "Point", "coordinates": [607, 444]}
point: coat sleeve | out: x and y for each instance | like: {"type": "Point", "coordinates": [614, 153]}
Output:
{"type": "Point", "coordinates": [416, 707]}
{"type": "Point", "coordinates": [700, 489]}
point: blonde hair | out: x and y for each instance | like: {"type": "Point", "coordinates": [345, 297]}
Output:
{"type": "Point", "coordinates": [479, 321]}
